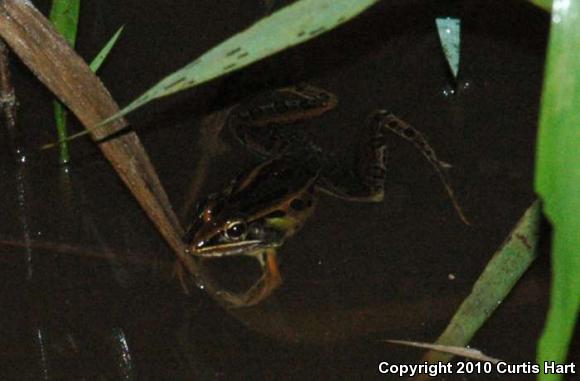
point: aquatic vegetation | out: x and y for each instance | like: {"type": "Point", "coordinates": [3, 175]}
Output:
{"type": "Point", "coordinates": [449, 30]}
{"type": "Point", "coordinates": [292, 25]}
{"type": "Point", "coordinates": [64, 14]}
{"type": "Point", "coordinates": [494, 284]}
{"type": "Point", "coordinates": [558, 178]}
{"type": "Point", "coordinates": [65, 17]}
{"type": "Point", "coordinates": [558, 183]}
{"type": "Point", "coordinates": [544, 4]}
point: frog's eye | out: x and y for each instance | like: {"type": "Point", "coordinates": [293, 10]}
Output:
{"type": "Point", "coordinates": [236, 230]}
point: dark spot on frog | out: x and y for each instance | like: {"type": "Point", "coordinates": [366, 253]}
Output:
{"type": "Point", "coordinates": [393, 124]}
{"type": "Point", "coordinates": [298, 204]}
{"type": "Point", "coordinates": [242, 55]}
{"type": "Point", "coordinates": [409, 132]}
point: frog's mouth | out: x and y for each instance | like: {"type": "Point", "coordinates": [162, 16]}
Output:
{"type": "Point", "coordinates": [248, 248]}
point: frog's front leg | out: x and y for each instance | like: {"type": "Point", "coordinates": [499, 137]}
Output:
{"type": "Point", "coordinates": [268, 282]}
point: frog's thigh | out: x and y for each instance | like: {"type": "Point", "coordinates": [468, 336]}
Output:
{"type": "Point", "coordinates": [366, 184]}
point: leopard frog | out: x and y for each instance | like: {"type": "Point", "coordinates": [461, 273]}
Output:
{"type": "Point", "coordinates": [266, 205]}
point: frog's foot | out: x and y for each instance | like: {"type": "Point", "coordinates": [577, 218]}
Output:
{"type": "Point", "coordinates": [389, 122]}
{"type": "Point", "coordinates": [263, 288]}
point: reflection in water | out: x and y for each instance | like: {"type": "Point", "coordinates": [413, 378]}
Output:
{"type": "Point", "coordinates": [120, 350]}
{"type": "Point", "coordinates": [210, 147]}
{"type": "Point", "coordinates": [56, 300]}
{"type": "Point", "coordinates": [21, 192]}
{"type": "Point", "coordinates": [164, 268]}
{"type": "Point", "coordinates": [43, 357]}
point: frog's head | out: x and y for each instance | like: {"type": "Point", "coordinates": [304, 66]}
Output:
{"type": "Point", "coordinates": [259, 211]}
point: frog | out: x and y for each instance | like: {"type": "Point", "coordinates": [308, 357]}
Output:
{"type": "Point", "coordinates": [266, 205]}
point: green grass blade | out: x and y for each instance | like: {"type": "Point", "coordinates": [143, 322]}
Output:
{"type": "Point", "coordinates": [102, 55]}
{"type": "Point", "coordinates": [64, 14]}
{"type": "Point", "coordinates": [500, 275]}
{"type": "Point", "coordinates": [558, 177]}
{"type": "Point", "coordinates": [449, 30]}
{"type": "Point", "coordinates": [290, 26]}
{"type": "Point", "coordinates": [544, 4]}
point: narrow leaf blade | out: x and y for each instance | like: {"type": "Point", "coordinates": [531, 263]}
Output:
{"type": "Point", "coordinates": [544, 4]}
{"type": "Point", "coordinates": [64, 14]}
{"type": "Point", "coordinates": [292, 25]}
{"type": "Point", "coordinates": [102, 55]}
{"type": "Point", "coordinates": [500, 275]}
{"type": "Point", "coordinates": [449, 30]}
{"type": "Point", "coordinates": [558, 178]}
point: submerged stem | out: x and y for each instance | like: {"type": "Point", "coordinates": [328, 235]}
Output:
{"type": "Point", "coordinates": [8, 101]}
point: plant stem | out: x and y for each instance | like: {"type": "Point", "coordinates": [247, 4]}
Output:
{"type": "Point", "coordinates": [60, 115]}
{"type": "Point", "coordinates": [65, 16]}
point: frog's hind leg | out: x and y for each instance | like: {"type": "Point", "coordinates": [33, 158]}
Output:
{"type": "Point", "coordinates": [367, 183]}
{"type": "Point", "coordinates": [388, 121]}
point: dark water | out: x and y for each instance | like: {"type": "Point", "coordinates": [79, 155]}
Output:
{"type": "Point", "coordinates": [87, 291]}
